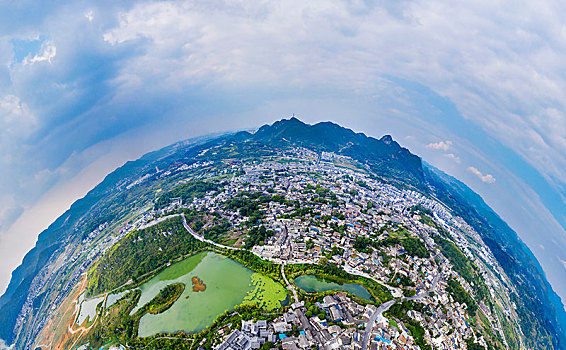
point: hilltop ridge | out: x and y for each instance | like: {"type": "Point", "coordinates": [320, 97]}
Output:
{"type": "Point", "coordinates": [385, 156]}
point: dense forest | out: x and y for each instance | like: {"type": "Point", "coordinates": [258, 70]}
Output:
{"type": "Point", "coordinates": [252, 261]}
{"type": "Point", "coordinates": [399, 311]}
{"type": "Point", "coordinates": [461, 296]}
{"type": "Point", "coordinates": [258, 236]}
{"type": "Point", "coordinates": [463, 266]}
{"type": "Point", "coordinates": [164, 299]}
{"type": "Point", "coordinates": [141, 252]}
{"type": "Point", "coordinates": [412, 245]}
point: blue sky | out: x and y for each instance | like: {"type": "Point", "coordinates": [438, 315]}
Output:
{"type": "Point", "coordinates": [478, 89]}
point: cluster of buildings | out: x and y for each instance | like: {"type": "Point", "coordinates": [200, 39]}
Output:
{"type": "Point", "coordinates": [252, 335]}
{"type": "Point", "coordinates": [335, 207]}
{"type": "Point", "coordinates": [326, 209]}
{"type": "Point", "coordinates": [342, 327]}
{"type": "Point", "coordinates": [326, 230]}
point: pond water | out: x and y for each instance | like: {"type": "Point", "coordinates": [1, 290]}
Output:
{"type": "Point", "coordinates": [312, 284]}
{"type": "Point", "coordinates": [173, 274]}
{"type": "Point", "coordinates": [111, 299]}
{"type": "Point", "coordinates": [228, 284]}
{"type": "Point", "coordinates": [88, 309]}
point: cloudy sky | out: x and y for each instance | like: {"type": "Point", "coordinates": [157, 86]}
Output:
{"type": "Point", "coordinates": [476, 88]}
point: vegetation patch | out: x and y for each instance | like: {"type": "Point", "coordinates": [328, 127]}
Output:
{"type": "Point", "coordinates": [399, 311]}
{"type": "Point", "coordinates": [333, 272]}
{"type": "Point", "coordinates": [255, 263]}
{"type": "Point", "coordinates": [461, 296]}
{"type": "Point", "coordinates": [140, 253]}
{"type": "Point", "coordinates": [414, 246]}
{"type": "Point", "coordinates": [164, 300]}
{"type": "Point", "coordinates": [464, 266]}
{"type": "Point", "coordinates": [198, 284]}
{"type": "Point", "coordinates": [267, 294]}
{"type": "Point", "coordinates": [186, 192]}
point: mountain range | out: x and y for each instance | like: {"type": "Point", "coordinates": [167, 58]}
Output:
{"type": "Point", "coordinates": [541, 310]}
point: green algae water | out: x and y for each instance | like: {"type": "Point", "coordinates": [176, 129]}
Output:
{"type": "Point", "coordinates": [173, 274]}
{"type": "Point", "coordinates": [312, 284]}
{"type": "Point", "coordinates": [228, 284]}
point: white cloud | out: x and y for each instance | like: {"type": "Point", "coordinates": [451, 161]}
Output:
{"type": "Point", "coordinates": [17, 122]}
{"type": "Point", "coordinates": [502, 69]}
{"type": "Point", "coordinates": [453, 157]}
{"type": "Point", "coordinates": [502, 72]}
{"type": "Point", "coordinates": [89, 15]}
{"type": "Point", "coordinates": [47, 53]}
{"type": "Point", "coordinates": [3, 345]}
{"type": "Point", "coordinates": [9, 210]}
{"type": "Point", "coordinates": [440, 145]}
{"type": "Point", "coordinates": [487, 178]}
{"type": "Point", "coordinates": [514, 89]}
{"type": "Point", "coordinates": [15, 116]}
{"type": "Point", "coordinates": [563, 262]}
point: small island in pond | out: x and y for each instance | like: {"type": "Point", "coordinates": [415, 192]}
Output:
{"type": "Point", "coordinates": [198, 284]}
{"type": "Point", "coordinates": [164, 300]}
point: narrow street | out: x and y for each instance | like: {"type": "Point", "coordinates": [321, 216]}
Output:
{"type": "Point", "coordinates": [385, 306]}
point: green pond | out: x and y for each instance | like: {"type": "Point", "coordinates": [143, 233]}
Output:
{"type": "Point", "coordinates": [312, 284]}
{"type": "Point", "coordinates": [228, 284]}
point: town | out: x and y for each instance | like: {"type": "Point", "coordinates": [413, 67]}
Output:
{"type": "Point", "coordinates": [302, 208]}
{"type": "Point", "coordinates": [324, 213]}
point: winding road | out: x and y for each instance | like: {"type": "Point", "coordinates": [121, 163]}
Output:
{"type": "Point", "coordinates": [385, 306]}
{"type": "Point", "coordinates": [369, 325]}
{"type": "Point", "coordinates": [427, 293]}
{"type": "Point", "coordinates": [201, 238]}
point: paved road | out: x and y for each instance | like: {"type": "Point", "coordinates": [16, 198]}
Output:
{"type": "Point", "coordinates": [307, 325]}
{"type": "Point", "coordinates": [385, 306]}
{"type": "Point", "coordinates": [201, 238]}
{"type": "Point", "coordinates": [396, 292]}
{"type": "Point", "coordinates": [289, 285]}
{"type": "Point", "coordinates": [156, 221]}
{"type": "Point", "coordinates": [427, 293]}
{"type": "Point", "coordinates": [369, 325]}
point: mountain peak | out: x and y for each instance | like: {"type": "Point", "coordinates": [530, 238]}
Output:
{"type": "Point", "coordinates": [385, 155]}
{"type": "Point", "coordinates": [387, 139]}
